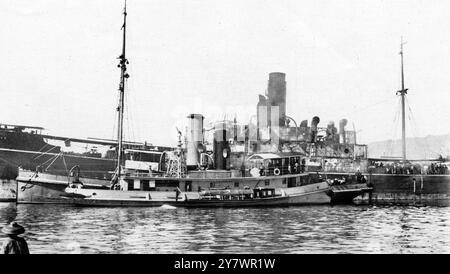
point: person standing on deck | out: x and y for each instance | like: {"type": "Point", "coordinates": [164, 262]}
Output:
{"type": "Point", "coordinates": [261, 170]}
{"type": "Point", "coordinates": [358, 176]}
{"type": "Point", "coordinates": [14, 244]}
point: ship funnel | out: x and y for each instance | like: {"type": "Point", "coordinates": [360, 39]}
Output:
{"type": "Point", "coordinates": [314, 122]}
{"type": "Point", "coordinates": [262, 116]}
{"type": "Point", "coordinates": [221, 148]}
{"type": "Point", "coordinates": [194, 140]}
{"type": "Point", "coordinates": [276, 93]}
{"type": "Point", "coordinates": [332, 132]}
{"type": "Point", "coordinates": [342, 124]}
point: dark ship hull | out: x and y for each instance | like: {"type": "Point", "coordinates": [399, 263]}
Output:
{"type": "Point", "coordinates": [402, 189]}
{"type": "Point", "coordinates": [25, 147]}
{"type": "Point", "coordinates": [91, 167]}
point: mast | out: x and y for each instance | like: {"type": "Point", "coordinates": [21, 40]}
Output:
{"type": "Point", "coordinates": [123, 76]}
{"type": "Point", "coordinates": [403, 93]}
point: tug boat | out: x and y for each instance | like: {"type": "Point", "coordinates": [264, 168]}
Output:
{"type": "Point", "coordinates": [273, 186]}
{"type": "Point", "coordinates": [208, 188]}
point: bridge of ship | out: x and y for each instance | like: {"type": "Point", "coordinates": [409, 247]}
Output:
{"type": "Point", "coordinates": [275, 164]}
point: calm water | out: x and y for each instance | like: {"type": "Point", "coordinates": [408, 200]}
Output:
{"type": "Point", "coordinates": [311, 229]}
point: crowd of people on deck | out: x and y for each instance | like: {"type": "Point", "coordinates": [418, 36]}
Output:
{"type": "Point", "coordinates": [437, 168]}
{"type": "Point", "coordinates": [270, 168]}
{"type": "Point", "coordinates": [409, 168]}
{"type": "Point", "coordinates": [342, 166]}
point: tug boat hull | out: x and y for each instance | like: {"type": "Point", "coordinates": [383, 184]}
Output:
{"type": "Point", "coordinates": [302, 195]}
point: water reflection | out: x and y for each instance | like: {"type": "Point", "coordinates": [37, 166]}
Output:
{"type": "Point", "coordinates": [312, 229]}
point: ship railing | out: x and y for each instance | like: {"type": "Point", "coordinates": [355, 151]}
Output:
{"type": "Point", "coordinates": [283, 170]}
{"type": "Point", "coordinates": [226, 194]}
{"type": "Point", "coordinates": [142, 174]}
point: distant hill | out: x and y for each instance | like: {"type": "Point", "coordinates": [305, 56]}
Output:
{"type": "Point", "coordinates": [428, 147]}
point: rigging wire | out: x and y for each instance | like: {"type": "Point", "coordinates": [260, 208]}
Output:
{"type": "Point", "coordinates": [365, 108]}
{"type": "Point", "coordinates": [394, 125]}
{"type": "Point", "coordinates": [130, 110]}
{"type": "Point", "coordinates": [368, 106]}
{"type": "Point", "coordinates": [46, 144]}
{"type": "Point", "coordinates": [413, 121]}
{"type": "Point", "coordinates": [65, 164]}
{"type": "Point", "coordinates": [54, 160]}
{"type": "Point", "coordinates": [43, 153]}
{"type": "Point", "coordinates": [9, 161]}
{"type": "Point", "coordinates": [116, 113]}
{"type": "Point", "coordinates": [130, 132]}
{"type": "Point", "coordinates": [130, 127]}
{"type": "Point", "coordinates": [415, 130]}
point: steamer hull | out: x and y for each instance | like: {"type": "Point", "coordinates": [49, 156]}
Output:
{"type": "Point", "coordinates": [403, 189]}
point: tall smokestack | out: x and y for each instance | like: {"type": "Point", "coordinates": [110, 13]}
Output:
{"type": "Point", "coordinates": [277, 94]}
{"type": "Point", "coordinates": [221, 147]}
{"type": "Point", "coordinates": [342, 124]}
{"type": "Point", "coordinates": [314, 122]}
{"type": "Point", "coordinates": [194, 140]}
{"type": "Point", "coordinates": [304, 123]}
{"type": "Point", "coordinates": [262, 116]}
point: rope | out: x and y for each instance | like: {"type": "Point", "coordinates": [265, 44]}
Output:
{"type": "Point", "coordinates": [128, 115]}
{"type": "Point", "coordinates": [368, 106]}
{"type": "Point", "coordinates": [43, 153]}
{"type": "Point", "coordinates": [27, 186]}
{"type": "Point", "coordinates": [116, 116]}
{"type": "Point", "coordinates": [46, 144]}
{"type": "Point", "coordinates": [64, 162]}
{"type": "Point", "coordinates": [427, 145]}
{"type": "Point", "coordinates": [393, 127]}
{"type": "Point", "coordinates": [50, 159]}
{"type": "Point", "coordinates": [53, 161]}
{"type": "Point", "coordinates": [414, 131]}
{"type": "Point", "coordinates": [9, 162]}
{"type": "Point", "coordinates": [131, 101]}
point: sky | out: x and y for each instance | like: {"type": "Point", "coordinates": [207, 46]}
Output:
{"type": "Point", "coordinates": [341, 59]}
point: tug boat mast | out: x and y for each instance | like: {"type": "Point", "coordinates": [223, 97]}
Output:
{"type": "Point", "coordinates": [123, 76]}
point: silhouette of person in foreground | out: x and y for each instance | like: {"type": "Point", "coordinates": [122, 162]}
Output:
{"type": "Point", "coordinates": [14, 244]}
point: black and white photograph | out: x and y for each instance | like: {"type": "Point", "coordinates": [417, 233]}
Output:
{"type": "Point", "coordinates": [249, 127]}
